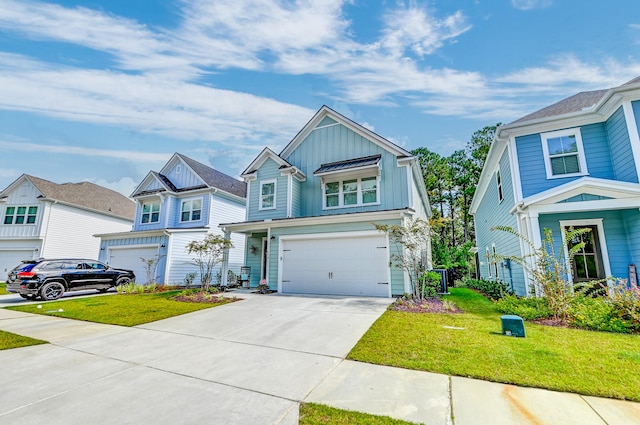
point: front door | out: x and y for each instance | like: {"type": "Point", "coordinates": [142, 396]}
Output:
{"type": "Point", "coordinates": [587, 263]}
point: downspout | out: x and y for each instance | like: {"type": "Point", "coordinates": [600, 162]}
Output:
{"type": "Point", "coordinates": [46, 230]}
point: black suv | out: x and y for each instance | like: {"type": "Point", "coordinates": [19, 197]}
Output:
{"type": "Point", "coordinates": [49, 279]}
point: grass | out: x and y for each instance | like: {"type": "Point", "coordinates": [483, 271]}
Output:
{"type": "Point", "coordinates": [10, 340]}
{"type": "Point", "coordinates": [124, 310]}
{"type": "Point", "coordinates": [585, 362]}
{"type": "Point", "coordinates": [3, 288]}
{"type": "Point", "coordinates": [317, 414]}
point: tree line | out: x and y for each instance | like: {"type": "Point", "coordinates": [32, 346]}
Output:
{"type": "Point", "coordinates": [451, 182]}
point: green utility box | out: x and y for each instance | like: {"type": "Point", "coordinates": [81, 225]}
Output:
{"type": "Point", "coordinates": [512, 325]}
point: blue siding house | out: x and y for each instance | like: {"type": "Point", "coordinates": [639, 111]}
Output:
{"type": "Point", "coordinates": [181, 203]}
{"type": "Point", "coordinates": [311, 209]}
{"type": "Point", "coordinates": [575, 163]}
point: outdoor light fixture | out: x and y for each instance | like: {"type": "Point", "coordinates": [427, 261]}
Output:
{"type": "Point", "coordinates": [252, 249]}
{"type": "Point", "coordinates": [162, 246]}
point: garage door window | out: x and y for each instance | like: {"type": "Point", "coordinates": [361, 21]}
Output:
{"type": "Point", "coordinates": [20, 215]}
{"type": "Point", "coordinates": [351, 193]}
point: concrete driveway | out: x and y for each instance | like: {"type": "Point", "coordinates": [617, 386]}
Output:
{"type": "Point", "coordinates": [248, 362]}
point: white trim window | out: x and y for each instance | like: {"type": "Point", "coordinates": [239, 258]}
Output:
{"type": "Point", "coordinates": [352, 192]}
{"type": "Point", "coordinates": [20, 214]}
{"type": "Point", "coordinates": [499, 184]}
{"type": "Point", "coordinates": [150, 212]}
{"type": "Point", "coordinates": [564, 153]}
{"type": "Point", "coordinates": [191, 210]}
{"type": "Point", "coordinates": [267, 195]}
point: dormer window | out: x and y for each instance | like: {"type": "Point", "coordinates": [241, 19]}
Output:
{"type": "Point", "coordinates": [267, 195]}
{"type": "Point", "coordinates": [564, 153]}
{"type": "Point", "coordinates": [20, 215]}
{"type": "Point", "coordinates": [150, 212]}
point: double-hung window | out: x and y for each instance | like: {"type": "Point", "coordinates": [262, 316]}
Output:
{"type": "Point", "coordinates": [150, 212]}
{"type": "Point", "coordinates": [20, 214]}
{"type": "Point", "coordinates": [267, 194]}
{"type": "Point", "coordinates": [564, 153]}
{"type": "Point", "coordinates": [191, 210]}
{"type": "Point", "coordinates": [351, 192]}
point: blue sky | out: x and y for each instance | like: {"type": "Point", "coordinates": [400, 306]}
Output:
{"type": "Point", "coordinates": [106, 90]}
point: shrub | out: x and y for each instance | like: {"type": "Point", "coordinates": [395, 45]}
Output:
{"type": "Point", "coordinates": [531, 308]}
{"type": "Point", "coordinates": [493, 289]}
{"type": "Point", "coordinates": [627, 303]}
{"type": "Point", "coordinates": [599, 314]}
{"type": "Point", "coordinates": [430, 284]}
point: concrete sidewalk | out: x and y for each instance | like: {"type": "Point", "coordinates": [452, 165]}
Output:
{"type": "Point", "coordinates": [252, 362]}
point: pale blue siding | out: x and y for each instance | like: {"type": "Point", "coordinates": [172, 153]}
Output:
{"type": "Point", "coordinates": [296, 208]}
{"type": "Point", "coordinates": [339, 143]}
{"type": "Point", "coordinates": [631, 220]}
{"type": "Point", "coordinates": [165, 208]}
{"type": "Point", "coordinates": [255, 260]}
{"type": "Point", "coordinates": [176, 212]}
{"type": "Point", "coordinates": [491, 213]}
{"type": "Point", "coordinates": [269, 170]}
{"type": "Point", "coordinates": [621, 153]}
{"type": "Point", "coordinates": [635, 105]}
{"type": "Point", "coordinates": [618, 243]}
{"type": "Point", "coordinates": [185, 178]}
{"type": "Point", "coordinates": [136, 240]}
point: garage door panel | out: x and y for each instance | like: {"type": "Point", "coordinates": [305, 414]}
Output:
{"type": "Point", "coordinates": [340, 266]}
{"type": "Point", "coordinates": [10, 259]}
{"type": "Point", "coordinates": [129, 259]}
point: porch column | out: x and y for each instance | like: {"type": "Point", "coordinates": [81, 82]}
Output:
{"type": "Point", "coordinates": [534, 228]}
{"type": "Point", "coordinates": [225, 262]}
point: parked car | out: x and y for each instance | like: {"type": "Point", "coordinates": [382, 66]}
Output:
{"type": "Point", "coordinates": [50, 278]}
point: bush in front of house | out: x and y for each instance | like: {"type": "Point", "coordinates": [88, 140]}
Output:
{"type": "Point", "coordinates": [531, 308]}
{"type": "Point", "coordinates": [598, 314]}
{"type": "Point", "coordinates": [493, 289]}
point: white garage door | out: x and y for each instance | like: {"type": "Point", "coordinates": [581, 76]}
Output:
{"type": "Point", "coordinates": [10, 259]}
{"type": "Point", "coordinates": [129, 259]}
{"type": "Point", "coordinates": [336, 266]}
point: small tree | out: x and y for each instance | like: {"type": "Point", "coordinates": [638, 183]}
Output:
{"type": "Point", "coordinates": [150, 267]}
{"type": "Point", "coordinates": [208, 254]}
{"type": "Point", "coordinates": [550, 270]}
{"type": "Point", "coordinates": [412, 243]}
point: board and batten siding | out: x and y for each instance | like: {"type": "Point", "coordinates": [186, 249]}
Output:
{"type": "Point", "coordinates": [338, 143]}
{"type": "Point", "coordinates": [269, 170]}
{"type": "Point", "coordinates": [24, 195]}
{"type": "Point", "coordinates": [183, 179]}
{"type": "Point", "coordinates": [621, 153]}
{"type": "Point", "coordinates": [138, 241]}
{"type": "Point", "coordinates": [491, 212]}
{"type": "Point", "coordinates": [616, 235]}
{"type": "Point", "coordinates": [70, 231]}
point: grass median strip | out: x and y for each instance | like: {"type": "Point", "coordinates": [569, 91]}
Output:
{"type": "Point", "coordinates": [10, 340]}
{"type": "Point", "coordinates": [124, 310]}
{"type": "Point", "coordinates": [471, 345]}
{"type": "Point", "coordinates": [318, 414]}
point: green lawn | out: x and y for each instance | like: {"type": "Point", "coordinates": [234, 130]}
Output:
{"type": "Point", "coordinates": [124, 310]}
{"type": "Point", "coordinates": [584, 362]}
{"type": "Point", "coordinates": [9, 340]}
{"type": "Point", "coordinates": [3, 288]}
{"type": "Point", "coordinates": [317, 414]}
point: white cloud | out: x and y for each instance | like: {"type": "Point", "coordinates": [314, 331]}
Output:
{"type": "Point", "coordinates": [82, 151]}
{"type": "Point", "coordinates": [531, 4]}
{"type": "Point", "coordinates": [125, 186]}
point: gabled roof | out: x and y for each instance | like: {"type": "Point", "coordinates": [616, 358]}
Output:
{"type": "Point", "coordinates": [578, 102]}
{"type": "Point", "coordinates": [214, 178]}
{"type": "Point", "coordinates": [285, 166]}
{"type": "Point", "coordinates": [165, 183]}
{"type": "Point", "coordinates": [324, 112]}
{"type": "Point", "coordinates": [85, 195]}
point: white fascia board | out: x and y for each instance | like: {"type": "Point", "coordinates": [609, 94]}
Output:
{"type": "Point", "coordinates": [294, 172]}
{"type": "Point", "coordinates": [260, 159]}
{"type": "Point", "coordinates": [602, 187]}
{"type": "Point", "coordinates": [585, 206]}
{"type": "Point", "coordinates": [634, 137]}
{"type": "Point", "coordinates": [309, 221]}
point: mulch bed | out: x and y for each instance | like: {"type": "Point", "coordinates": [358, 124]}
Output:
{"type": "Point", "coordinates": [430, 305]}
{"type": "Point", "coordinates": [204, 297]}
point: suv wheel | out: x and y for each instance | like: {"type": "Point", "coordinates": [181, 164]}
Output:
{"type": "Point", "coordinates": [123, 281]}
{"type": "Point", "coordinates": [52, 291]}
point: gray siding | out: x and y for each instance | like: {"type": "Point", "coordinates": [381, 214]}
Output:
{"type": "Point", "coordinates": [621, 153]}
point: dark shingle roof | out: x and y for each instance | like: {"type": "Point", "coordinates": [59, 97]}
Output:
{"type": "Point", "coordinates": [215, 178]}
{"type": "Point", "coordinates": [87, 195]}
{"type": "Point", "coordinates": [348, 164]}
{"type": "Point", "coordinates": [575, 103]}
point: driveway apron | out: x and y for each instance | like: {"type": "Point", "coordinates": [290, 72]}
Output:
{"type": "Point", "coordinates": [248, 362]}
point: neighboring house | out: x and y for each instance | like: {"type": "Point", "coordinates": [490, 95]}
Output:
{"type": "Point", "coordinates": [181, 203]}
{"type": "Point", "coordinates": [45, 219]}
{"type": "Point", "coordinates": [311, 209]}
{"type": "Point", "coordinates": [573, 164]}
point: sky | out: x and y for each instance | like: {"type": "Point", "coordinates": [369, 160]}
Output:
{"type": "Point", "coordinates": [107, 90]}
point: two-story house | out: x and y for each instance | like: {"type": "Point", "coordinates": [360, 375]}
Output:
{"type": "Point", "coordinates": [181, 203]}
{"type": "Point", "coordinates": [575, 164]}
{"type": "Point", "coordinates": [311, 209]}
{"type": "Point", "coordinates": [45, 219]}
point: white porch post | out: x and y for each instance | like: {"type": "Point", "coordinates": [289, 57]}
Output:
{"type": "Point", "coordinates": [225, 262]}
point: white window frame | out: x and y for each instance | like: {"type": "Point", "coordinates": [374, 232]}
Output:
{"type": "Point", "coordinates": [340, 182]}
{"type": "Point", "coordinates": [191, 210]}
{"type": "Point", "coordinates": [150, 213]}
{"type": "Point", "coordinates": [582, 161]}
{"type": "Point", "coordinates": [15, 215]}
{"type": "Point", "coordinates": [275, 192]}
{"type": "Point", "coordinates": [604, 251]}
{"type": "Point", "coordinates": [499, 185]}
